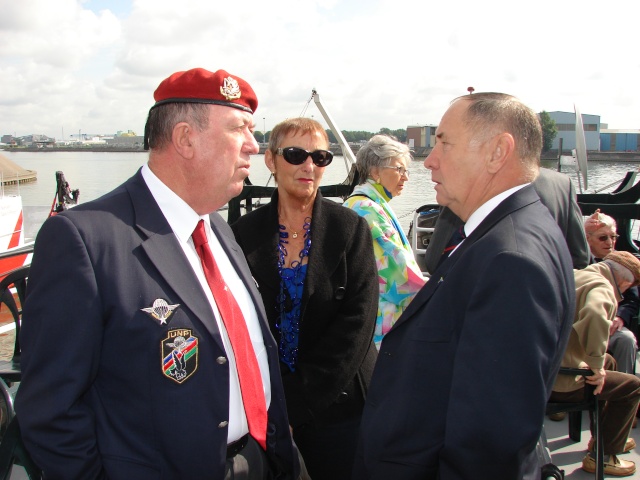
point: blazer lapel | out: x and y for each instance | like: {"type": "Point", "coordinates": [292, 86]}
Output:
{"type": "Point", "coordinates": [518, 200]}
{"type": "Point", "coordinates": [319, 255]}
{"type": "Point", "coordinates": [164, 251]}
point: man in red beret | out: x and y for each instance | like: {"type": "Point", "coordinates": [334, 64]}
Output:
{"type": "Point", "coordinates": [146, 350]}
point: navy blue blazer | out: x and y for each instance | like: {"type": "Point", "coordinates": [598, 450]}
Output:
{"type": "Point", "coordinates": [463, 377]}
{"type": "Point", "coordinates": [106, 392]}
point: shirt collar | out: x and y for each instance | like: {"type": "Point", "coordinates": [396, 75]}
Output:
{"type": "Point", "coordinates": [487, 207]}
{"type": "Point", "coordinates": [181, 217]}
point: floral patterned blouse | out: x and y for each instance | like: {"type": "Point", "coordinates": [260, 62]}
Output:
{"type": "Point", "coordinates": [399, 275]}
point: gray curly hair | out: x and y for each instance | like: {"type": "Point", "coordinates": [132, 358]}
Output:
{"type": "Point", "coordinates": [378, 152]}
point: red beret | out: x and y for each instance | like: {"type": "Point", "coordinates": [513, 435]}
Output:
{"type": "Point", "coordinates": [201, 86]}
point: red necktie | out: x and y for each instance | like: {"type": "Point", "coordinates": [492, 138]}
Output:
{"type": "Point", "coordinates": [246, 362]}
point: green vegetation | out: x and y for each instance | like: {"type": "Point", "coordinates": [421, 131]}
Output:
{"type": "Point", "coordinates": [349, 136]}
{"type": "Point", "coordinates": [549, 130]}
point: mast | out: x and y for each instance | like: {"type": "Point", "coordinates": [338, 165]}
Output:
{"type": "Point", "coordinates": [581, 151]}
{"type": "Point", "coordinates": [347, 153]}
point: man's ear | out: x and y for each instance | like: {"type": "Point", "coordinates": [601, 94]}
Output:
{"type": "Point", "coordinates": [181, 139]}
{"type": "Point", "coordinates": [502, 148]}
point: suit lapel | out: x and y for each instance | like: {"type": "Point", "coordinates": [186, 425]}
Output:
{"type": "Point", "coordinates": [164, 251]}
{"type": "Point", "coordinates": [518, 200]}
{"type": "Point", "coordinates": [319, 256]}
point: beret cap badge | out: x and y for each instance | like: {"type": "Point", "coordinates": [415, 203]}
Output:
{"type": "Point", "coordinates": [230, 90]}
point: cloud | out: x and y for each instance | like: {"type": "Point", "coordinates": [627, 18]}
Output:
{"type": "Point", "coordinates": [93, 65]}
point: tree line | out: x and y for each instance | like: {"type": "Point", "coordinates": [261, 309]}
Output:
{"type": "Point", "coordinates": [549, 132]}
{"type": "Point", "coordinates": [350, 136]}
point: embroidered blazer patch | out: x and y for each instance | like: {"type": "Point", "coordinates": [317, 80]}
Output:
{"type": "Point", "coordinates": [179, 354]}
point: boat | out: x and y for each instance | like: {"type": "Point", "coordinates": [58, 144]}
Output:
{"type": "Point", "coordinates": [12, 246]}
{"type": "Point", "coordinates": [15, 251]}
{"type": "Point", "coordinates": [563, 452]}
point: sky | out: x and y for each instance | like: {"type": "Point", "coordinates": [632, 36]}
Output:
{"type": "Point", "coordinates": [91, 66]}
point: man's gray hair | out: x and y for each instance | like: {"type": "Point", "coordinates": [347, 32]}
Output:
{"type": "Point", "coordinates": [492, 113]}
{"type": "Point", "coordinates": [163, 118]}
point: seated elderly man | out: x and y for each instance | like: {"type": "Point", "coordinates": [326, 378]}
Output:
{"type": "Point", "coordinates": [598, 291]}
{"type": "Point", "coordinates": [601, 237]}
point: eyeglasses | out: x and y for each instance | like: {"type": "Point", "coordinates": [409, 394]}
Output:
{"type": "Point", "coordinates": [297, 156]}
{"type": "Point", "coordinates": [604, 238]}
{"type": "Point", "coordinates": [401, 170]}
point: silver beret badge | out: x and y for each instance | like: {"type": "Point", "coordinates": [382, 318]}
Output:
{"type": "Point", "coordinates": [230, 89]}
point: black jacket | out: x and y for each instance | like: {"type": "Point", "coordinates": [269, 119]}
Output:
{"type": "Point", "coordinates": [338, 312]}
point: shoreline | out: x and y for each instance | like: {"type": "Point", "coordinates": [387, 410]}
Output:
{"type": "Point", "coordinates": [419, 152]}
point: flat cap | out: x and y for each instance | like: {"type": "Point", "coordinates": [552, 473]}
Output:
{"type": "Point", "coordinates": [628, 261]}
{"type": "Point", "coordinates": [202, 86]}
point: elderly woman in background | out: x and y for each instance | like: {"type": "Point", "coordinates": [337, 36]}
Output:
{"type": "Point", "coordinates": [382, 165]}
{"type": "Point", "coordinates": [601, 237]}
{"type": "Point", "coordinates": [314, 265]}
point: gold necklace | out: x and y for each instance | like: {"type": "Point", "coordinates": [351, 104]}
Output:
{"type": "Point", "coordinates": [294, 233]}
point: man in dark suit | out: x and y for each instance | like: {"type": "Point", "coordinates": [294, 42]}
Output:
{"type": "Point", "coordinates": [463, 377]}
{"type": "Point", "coordinates": [556, 192]}
{"type": "Point", "coordinates": [130, 365]}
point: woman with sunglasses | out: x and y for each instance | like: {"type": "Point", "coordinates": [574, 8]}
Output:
{"type": "Point", "coordinates": [313, 262]}
{"type": "Point", "coordinates": [382, 165]}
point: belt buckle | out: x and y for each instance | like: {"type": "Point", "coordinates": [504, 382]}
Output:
{"type": "Point", "coordinates": [236, 447]}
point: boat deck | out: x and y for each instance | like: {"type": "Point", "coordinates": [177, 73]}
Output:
{"type": "Point", "coordinates": [565, 453]}
{"type": "Point", "coordinates": [568, 455]}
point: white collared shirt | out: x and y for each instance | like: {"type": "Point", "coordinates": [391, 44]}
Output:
{"type": "Point", "coordinates": [485, 209]}
{"type": "Point", "coordinates": [183, 220]}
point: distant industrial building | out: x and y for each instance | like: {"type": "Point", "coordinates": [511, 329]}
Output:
{"type": "Point", "coordinates": [613, 140]}
{"type": "Point", "coordinates": [566, 123]}
{"type": "Point", "coordinates": [125, 141]}
{"type": "Point", "coordinates": [421, 136]}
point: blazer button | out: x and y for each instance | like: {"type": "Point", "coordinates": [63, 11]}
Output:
{"type": "Point", "coordinates": [221, 360]}
{"type": "Point", "coordinates": [340, 291]}
{"type": "Point", "coordinates": [343, 397]}
{"type": "Point", "coordinates": [223, 424]}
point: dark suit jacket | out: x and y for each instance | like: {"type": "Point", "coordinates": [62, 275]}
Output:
{"type": "Point", "coordinates": [462, 379]}
{"type": "Point", "coordinates": [556, 192]}
{"type": "Point", "coordinates": [94, 401]}
{"type": "Point", "coordinates": [336, 353]}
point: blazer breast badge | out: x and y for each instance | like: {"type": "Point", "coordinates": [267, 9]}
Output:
{"type": "Point", "coordinates": [160, 310]}
{"type": "Point", "coordinates": [179, 354]}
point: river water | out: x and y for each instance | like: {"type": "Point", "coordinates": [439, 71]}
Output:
{"type": "Point", "coordinates": [96, 173]}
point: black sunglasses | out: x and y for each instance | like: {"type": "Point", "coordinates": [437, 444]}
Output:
{"type": "Point", "coordinates": [297, 156]}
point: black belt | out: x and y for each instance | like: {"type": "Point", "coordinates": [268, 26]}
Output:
{"type": "Point", "coordinates": [235, 447]}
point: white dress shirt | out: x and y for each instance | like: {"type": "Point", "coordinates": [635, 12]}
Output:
{"type": "Point", "coordinates": [485, 209]}
{"type": "Point", "coordinates": [183, 220]}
